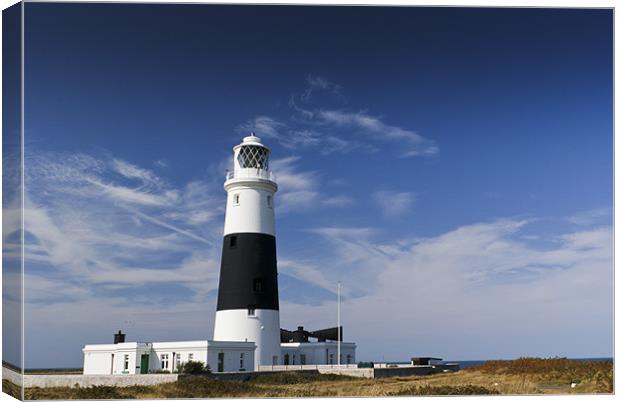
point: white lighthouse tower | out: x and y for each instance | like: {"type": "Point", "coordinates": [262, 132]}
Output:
{"type": "Point", "coordinates": [248, 306]}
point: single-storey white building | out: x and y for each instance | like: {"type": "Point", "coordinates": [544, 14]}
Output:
{"type": "Point", "coordinates": [146, 357]}
{"type": "Point", "coordinates": [317, 353]}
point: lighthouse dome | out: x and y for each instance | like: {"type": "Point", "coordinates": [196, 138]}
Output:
{"type": "Point", "coordinates": [252, 138]}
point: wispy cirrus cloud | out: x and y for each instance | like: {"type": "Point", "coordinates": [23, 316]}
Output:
{"type": "Point", "coordinates": [119, 242]}
{"type": "Point", "coordinates": [265, 127]}
{"type": "Point", "coordinates": [330, 129]}
{"type": "Point", "coordinates": [131, 171]}
{"type": "Point", "coordinates": [414, 144]}
{"type": "Point", "coordinates": [318, 83]}
{"type": "Point", "coordinates": [590, 217]}
{"type": "Point", "coordinates": [292, 137]}
{"type": "Point", "coordinates": [106, 221]}
{"type": "Point", "coordinates": [393, 203]}
{"type": "Point", "coordinates": [299, 190]}
{"type": "Point", "coordinates": [109, 223]}
{"type": "Point", "coordinates": [306, 272]}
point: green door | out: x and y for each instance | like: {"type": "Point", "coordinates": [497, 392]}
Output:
{"type": "Point", "coordinates": [220, 362]}
{"type": "Point", "coordinates": [144, 364]}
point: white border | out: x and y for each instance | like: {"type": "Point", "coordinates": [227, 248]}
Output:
{"type": "Point", "coordinates": [456, 3]}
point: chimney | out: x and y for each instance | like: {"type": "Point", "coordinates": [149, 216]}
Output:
{"type": "Point", "coordinates": [119, 338]}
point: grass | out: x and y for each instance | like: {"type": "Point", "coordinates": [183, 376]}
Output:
{"type": "Point", "coordinates": [589, 377]}
{"type": "Point", "coordinates": [296, 377]}
{"type": "Point", "coordinates": [11, 389]}
{"type": "Point", "coordinates": [521, 376]}
{"type": "Point", "coordinates": [445, 390]}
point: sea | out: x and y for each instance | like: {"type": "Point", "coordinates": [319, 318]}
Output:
{"type": "Point", "coordinates": [471, 363]}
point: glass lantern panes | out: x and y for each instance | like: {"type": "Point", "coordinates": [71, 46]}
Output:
{"type": "Point", "coordinates": [252, 156]}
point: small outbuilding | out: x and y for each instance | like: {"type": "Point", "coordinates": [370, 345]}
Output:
{"type": "Point", "coordinates": [425, 361]}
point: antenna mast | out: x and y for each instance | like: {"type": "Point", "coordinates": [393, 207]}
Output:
{"type": "Point", "coordinates": [339, 335]}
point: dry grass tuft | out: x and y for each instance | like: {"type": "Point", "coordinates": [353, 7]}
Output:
{"type": "Point", "coordinates": [298, 377]}
{"type": "Point", "coordinates": [468, 389]}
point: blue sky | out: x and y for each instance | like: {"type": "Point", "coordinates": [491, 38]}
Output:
{"type": "Point", "coordinates": [452, 167]}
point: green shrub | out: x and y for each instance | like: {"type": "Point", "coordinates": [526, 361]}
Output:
{"type": "Point", "coordinates": [193, 367]}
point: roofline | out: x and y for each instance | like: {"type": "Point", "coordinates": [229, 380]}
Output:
{"type": "Point", "coordinates": [316, 344]}
{"type": "Point", "coordinates": [168, 345]}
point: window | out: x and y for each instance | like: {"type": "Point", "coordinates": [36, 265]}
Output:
{"type": "Point", "coordinates": [164, 361]}
{"type": "Point", "coordinates": [302, 359]}
{"type": "Point", "coordinates": [251, 310]}
{"type": "Point", "coordinates": [253, 156]}
{"type": "Point", "coordinates": [258, 284]}
{"type": "Point", "coordinates": [235, 199]}
{"type": "Point", "coordinates": [126, 363]}
{"type": "Point", "coordinates": [286, 359]}
{"type": "Point", "coordinates": [331, 358]}
{"type": "Point", "coordinates": [274, 360]}
{"type": "Point", "coordinates": [176, 364]}
{"type": "Point", "coordinates": [233, 241]}
{"type": "Point", "coordinates": [241, 356]}
{"type": "Point", "coordinates": [348, 359]}
{"type": "Point", "coordinates": [190, 357]}
{"type": "Point", "coordinates": [293, 358]}
{"type": "Point", "coordinates": [270, 201]}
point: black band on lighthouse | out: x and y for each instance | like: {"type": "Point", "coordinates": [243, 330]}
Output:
{"type": "Point", "coordinates": [249, 274]}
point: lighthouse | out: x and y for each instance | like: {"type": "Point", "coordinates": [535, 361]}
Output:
{"type": "Point", "coordinates": [247, 329]}
{"type": "Point", "coordinates": [247, 305]}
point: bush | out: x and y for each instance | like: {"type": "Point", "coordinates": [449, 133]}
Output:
{"type": "Point", "coordinates": [193, 367]}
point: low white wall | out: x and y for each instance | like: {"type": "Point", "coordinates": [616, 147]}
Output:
{"type": "Point", "coordinates": [376, 372]}
{"type": "Point", "coordinates": [71, 380]}
{"type": "Point", "coordinates": [297, 367]}
{"type": "Point", "coordinates": [14, 376]}
{"type": "Point", "coordinates": [353, 372]}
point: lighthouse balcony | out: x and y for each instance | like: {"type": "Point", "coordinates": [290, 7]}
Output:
{"type": "Point", "coordinates": [251, 173]}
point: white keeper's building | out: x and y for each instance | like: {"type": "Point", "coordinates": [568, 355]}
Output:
{"type": "Point", "coordinates": [247, 332]}
{"type": "Point", "coordinates": [146, 357]}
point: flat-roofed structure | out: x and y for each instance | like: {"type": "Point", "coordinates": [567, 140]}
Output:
{"type": "Point", "coordinates": [157, 357]}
